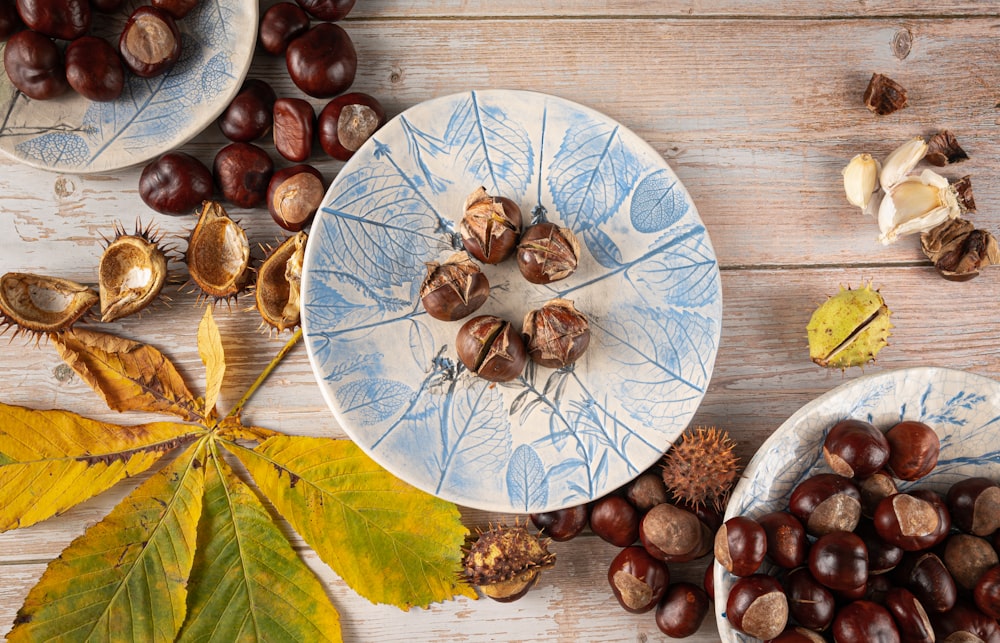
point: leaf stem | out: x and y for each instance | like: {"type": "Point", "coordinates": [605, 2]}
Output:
{"type": "Point", "coordinates": [289, 345]}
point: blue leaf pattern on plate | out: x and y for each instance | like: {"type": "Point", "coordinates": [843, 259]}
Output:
{"type": "Point", "coordinates": [55, 149]}
{"type": "Point", "coordinates": [373, 400]}
{"type": "Point", "coordinates": [685, 273]}
{"type": "Point", "coordinates": [526, 484]}
{"type": "Point", "coordinates": [656, 205]}
{"type": "Point", "coordinates": [604, 249]}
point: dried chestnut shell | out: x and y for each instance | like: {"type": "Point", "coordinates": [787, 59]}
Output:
{"type": "Point", "coordinates": [786, 539]}
{"type": "Point", "coordinates": [243, 172]}
{"type": "Point", "coordinates": [63, 19]}
{"type": "Point", "coordinates": [557, 334]}
{"type": "Point", "coordinates": [150, 43]}
{"type": "Point", "coordinates": [294, 126]}
{"type": "Point", "coordinates": [809, 602]}
{"type": "Point", "coordinates": [854, 448]}
{"type": "Point", "coordinates": [322, 62]}
{"type": "Point", "coordinates": [94, 69]}
{"type": "Point", "coordinates": [131, 275]}
{"type": "Point", "coordinates": [974, 504]}
{"type": "Point", "coordinates": [839, 560]}
{"type": "Point", "coordinates": [279, 283]}
{"type": "Point", "coordinates": [34, 65]}
{"type": "Point", "coordinates": [740, 545]}
{"type": "Point", "coordinates": [864, 622]}
{"type": "Point", "coordinates": [347, 121]}
{"type": "Point", "coordinates": [615, 520]}
{"type": "Point", "coordinates": [218, 253]}
{"type": "Point", "coordinates": [454, 289]}
{"type": "Point", "coordinates": [250, 114]}
{"type": "Point", "coordinates": [293, 196]}
{"type": "Point", "coordinates": [490, 347]}
{"type": "Point", "coordinates": [757, 606]}
{"type": "Point", "coordinates": [681, 610]}
{"type": "Point", "coordinates": [637, 579]}
{"type": "Point", "coordinates": [490, 226]}
{"type": "Point", "coordinates": [281, 24]}
{"type": "Point", "coordinates": [562, 524]}
{"type": "Point", "coordinates": [41, 304]}
{"type": "Point", "coordinates": [332, 10]}
{"type": "Point", "coordinates": [826, 503]}
{"type": "Point", "coordinates": [175, 183]}
{"type": "Point", "coordinates": [883, 95]}
{"type": "Point", "coordinates": [547, 253]}
{"type": "Point", "coordinates": [913, 450]}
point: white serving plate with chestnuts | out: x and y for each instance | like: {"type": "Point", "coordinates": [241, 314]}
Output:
{"type": "Point", "coordinates": [128, 82]}
{"type": "Point", "coordinates": [902, 456]}
{"type": "Point", "coordinates": [509, 301]}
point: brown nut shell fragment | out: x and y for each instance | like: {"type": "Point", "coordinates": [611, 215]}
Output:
{"type": "Point", "coordinates": [883, 95]}
{"type": "Point", "coordinates": [40, 304]}
{"type": "Point", "coordinates": [944, 149]}
{"type": "Point", "coordinates": [131, 274]}
{"type": "Point", "coordinates": [218, 254]}
{"type": "Point", "coordinates": [279, 281]}
{"type": "Point", "coordinates": [958, 250]}
{"type": "Point", "coordinates": [557, 334]}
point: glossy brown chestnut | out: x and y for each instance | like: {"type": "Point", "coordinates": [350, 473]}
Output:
{"type": "Point", "coordinates": [882, 556]}
{"type": "Point", "coordinates": [175, 183]}
{"type": "Point", "coordinates": [963, 622]}
{"type": "Point", "coordinates": [926, 576]}
{"type": "Point", "coordinates": [878, 586]}
{"type": "Point", "coordinates": [786, 539]}
{"type": "Point", "coordinates": [176, 8]}
{"type": "Point", "coordinates": [562, 525]}
{"type": "Point", "coordinates": [615, 520]}
{"type": "Point", "coordinates": [839, 561]}
{"type": "Point", "coordinates": [672, 534]}
{"type": "Point", "coordinates": [646, 491]}
{"type": "Point", "coordinates": [150, 43]}
{"type": "Point", "coordinates": [637, 579]}
{"type": "Point", "coordinates": [974, 504]}
{"type": "Point", "coordinates": [557, 334]}
{"type": "Point", "coordinates": [332, 10]}
{"type": "Point", "coordinates": [826, 502]}
{"type": "Point", "coordinates": [547, 253]}
{"type": "Point", "coordinates": [293, 196]}
{"type": "Point", "coordinates": [10, 22]}
{"type": "Point", "coordinates": [294, 128]}
{"type": "Point", "coordinates": [490, 347]}
{"type": "Point", "coordinates": [63, 19]}
{"type": "Point", "coordinates": [913, 450]}
{"type": "Point", "coordinates": [347, 121]}
{"type": "Point", "coordinates": [250, 114]}
{"type": "Point", "coordinates": [967, 558]}
{"type": "Point", "coordinates": [243, 172]}
{"type": "Point", "coordinates": [454, 289]}
{"type": "Point", "coordinates": [910, 616]}
{"type": "Point", "coordinates": [107, 6]}
{"type": "Point", "coordinates": [490, 226]}
{"type": "Point", "coordinates": [740, 545]}
{"type": "Point", "coordinates": [282, 23]}
{"type": "Point", "coordinates": [909, 522]}
{"type": "Point", "coordinates": [855, 449]}
{"type": "Point", "coordinates": [986, 593]}
{"type": "Point", "coordinates": [708, 579]}
{"type": "Point", "coordinates": [322, 62]}
{"type": "Point", "coordinates": [864, 622]}
{"type": "Point", "coordinates": [796, 634]}
{"type": "Point", "coordinates": [94, 69]}
{"type": "Point", "coordinates": [681, 610]}
{"type": "Point", "coordinates": [809, 603]}
{"type": "Point", "coordinates": [873, 489]}
{"type": "Point", "coordinates": [34, 65]}
{"type": "Point", "coordinates": [757, 606]}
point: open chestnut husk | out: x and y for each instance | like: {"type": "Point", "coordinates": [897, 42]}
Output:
{"type": "Point", "coordinates": [547, 253]}
{"type": "Point", "coordinates": [279, 284]}
{"type": "Point", "coordinates": [490, 347]}
{"type": "Point", "coordinates": [42, 304]}
{"type": "Point", "coordinates": [131, 274]}
{"type": "Point", "coordinates": [557, 334]}
{"type": "Point", "coordinates": [490, 226]}
{"type": "Point", "coordinates": [454, 289]}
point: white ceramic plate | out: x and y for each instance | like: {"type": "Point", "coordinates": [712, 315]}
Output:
{"type": "Point", "coordinates": [963, 408]}
{"type": "Point", "coordinates": [648, 280]}
{"type": "Point", "coordinates": [153, 115]}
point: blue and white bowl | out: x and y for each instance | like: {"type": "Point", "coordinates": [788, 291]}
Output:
{"type": "Point", "coordinates": [648, 280]}
{"type": "Point", "coordinates": [962, 407]}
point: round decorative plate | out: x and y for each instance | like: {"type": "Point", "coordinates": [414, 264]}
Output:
{"type": "Point", "coordinates": [963, 408]}
{"type": "Point", "coordinates": [153, 115]}
{"type": "Point", "coordinates": [648, 281]}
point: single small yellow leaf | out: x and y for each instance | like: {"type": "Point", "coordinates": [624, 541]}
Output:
{"type": "Point", "coordinates": [247, 583]}
{"type": "Point", "coordinates": [53, 460]}
{"type": "Point", "coordinates": [214, 358]}
{"type": "Point", "coordinates": [230, 428]}
{"type": "Point", "coordinates": [128, 375]}
{"type": "Point", "coordinates": [389, 541]}
{"type": "Point", "coordinates": [125, 578]}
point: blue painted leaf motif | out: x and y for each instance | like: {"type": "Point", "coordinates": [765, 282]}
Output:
{"type": "Point", "coordinates": [422, 346]}
{"type": "Point", "coordinates": [217, 73]}
{"type": "Point", "coordinates": [55, 149]}
{"type": "Point", "coordinates": [603, 248]}
{"type": "Point", "coordinates": [492, 147]}
{"type": "Point", "coordinates": [591, 173]}
{"type": "Point", "coordinates": [656, 204]}
{"type": "Point", "coordinates": [371, 401]}
{"type": "Point", "coordinates": [526, 483]}
{"type": "Point", "coordinates": [340, 302]}
{"type": "Point", "coordinates": [683, 273]}
{"type": "Point", "coordinates": [423, 146]}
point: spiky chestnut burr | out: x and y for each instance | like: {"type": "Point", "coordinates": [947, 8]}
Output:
{"type": "Point", "coordinates": [132, 272]}
{"type": "Point", "coordinates": [701, 467]}
{"type": "Point", "coordinates": [849, 328]}
{"type": "Point", "coordinates": [504, 562]}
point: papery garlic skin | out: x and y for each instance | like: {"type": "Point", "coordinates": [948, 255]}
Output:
{"type": "Point", "coordinates": [901, 161]}
{"type": "Point", "coordinates": [916, 204]}
{"type": "Point", "coordinates": [861, 180]}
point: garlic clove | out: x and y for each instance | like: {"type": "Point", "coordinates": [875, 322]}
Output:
{"type": "Point", "coordinates": [916, 204]}
{"type": "Point", "coordinates": [861, 180]}
{"type": "Point", "coordinates": [901, 162]}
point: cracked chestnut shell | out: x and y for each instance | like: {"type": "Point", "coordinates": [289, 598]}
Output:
{"type": "Point", "coordinates": [557, 334]}
{"type": "Point", "coordinates": [491, 348]}
{"type": "Point", "coordinates": [490, 227]}
{"type": "Point", "coordinates": [454, 289]}
{"type": "Point", "coordinates": [547, 253]}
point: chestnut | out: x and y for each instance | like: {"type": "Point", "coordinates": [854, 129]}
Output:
{"type": "Point", "coordinates": [94, 69]}
{"type": "Point", "coordinates": [826, 502]}
{"type": "Point", "coordinates": [332, 10]}
{"type": "Point", "coordinates": [547, 253]}
{"type": "Point", "coordinates": [864, 622]}
{"type": "Point", "coordinates": [786, 539]}
{"type": "Point", "coordinates": [909, 522]}
{"type": "Point", "coordinates": [708, 580]}
{"type": "Point", "coordinates": [873, 489]}
{"type": "Point", "coordinates": [347, 121]}
{"type": "Point", "coordinates": [150, 43]}
{"type": "Point", "coordinates": [282, 23]}
{"type": "Point", "coordinates": [293, 196]}
{"type": "Point", "coordinates": [681, 610]}
{"type": "Point", "coordinates": [63, 19]}
{"type": "Point", "coordinates": [757, 606]}
{"type": "Point", "coordinates": [974, 504]}
{"type": "Point", "coordinates": [490, 347]}
{"type": "Point", "coordinates": [740, 545]}
{"type": "Point", "coordinates": [322, 62]}
{"type": "Point", "coordinates": [454, 289]}
{"type": "Point", "coordinates": [878, 587]}
{"type": "Point", "coordinates": [490, 226]}
{"type": "Point", "coordinates": [646, 491]}
{"type": "Point", "coordinates": [910, 616]}
{"type": "Point", "coordinates": [839, 560]}
{"type": "Point", "coordinates": [10, 21]}
{"type": "Point", "coordinates": [107, 6]}
{"type": "Point", "coordinates": [809, 602]}
{"type": "Point", "coordinates": [562, 524]}
{"type": "Point", "coordinates": [913, 450]}
{"type": "Point", "coordinates": [882, 556]}
{"type": "Point", "coordinates": [615, 520]}
{"type": "Point", "coordinates": [175, 183]}
{"type": "Point", "coordinates": [926, 576]}
{"type": "Point", "coordinates": [294, 127]}
{"type": "Point", "coordinates": [796, 634]}
{"type": "Point", "coordinates": [986, 593]}
{"type": "Point", "coordinates": [557, 334]}
{"type": "Point", "coordinates": [967, 558]}
{"type": "Point", "coordinates": [250, 114]}
{"type": "Point", "coordinates": [855, 449]}
{"type": "Point", "coordinates": [243, 172]}
{"type": "Point", "coordinates": [34, 65]}
{"type": "Point", "coordinates": [965, 624]}
{"type": "Point", "coordinates": [637, 579]}
{"type": "Point", "coordinates": [176, 8]}
{"type": "Point", "coordinates": [673, 534]}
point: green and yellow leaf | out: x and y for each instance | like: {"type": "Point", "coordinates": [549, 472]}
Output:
{"type": "Point", "coordinates": [124, 579]}
{"type": "Point", "coordinates": [247, 583]}
{"type": "Point", "coordinates": [212, 355]}
{"type": "Point", "coordinates": [128, 375]}
{"type": "Point", "coordinates": [53, 460]}
{"type": "Point", "coordinates": [391, 542]}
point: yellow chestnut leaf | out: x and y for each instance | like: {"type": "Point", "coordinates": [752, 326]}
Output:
{"type": "Point", "coordinates": [214, 358]}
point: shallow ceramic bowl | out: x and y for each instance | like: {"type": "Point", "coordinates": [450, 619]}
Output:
{"type": "Point", "coordinates": [647, 279]}
{"type": "Point", "coordinates": [963, 408]}
{"type": "Point", "coordinates": [153, 115]}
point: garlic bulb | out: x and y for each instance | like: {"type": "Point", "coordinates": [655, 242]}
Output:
{"type": "Point", "coordinates": [901, 162]}
{"type": "Point", "coordinates": [861, 181]}
{"type": "Point", "coordinates": [916, 204]}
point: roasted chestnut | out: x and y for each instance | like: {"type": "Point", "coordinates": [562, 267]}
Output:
{"type": "Point", "coordinates": [681, 610]}
{"type": "Point", "coordinates": [347, 121]}
{"type": "Point", "coordinates": [34, 65]}
{"type": "Point", "coordinates": [557, 334]}
{"type": "Point", "coordinates": [864, 622]}
{"type": "Point", "coordinates": [94, 69]}
{"type": "Point", "coordinates": [757, 606]}
{"type": "Point", "coordinates": [294, 128]}
{"type": "Point", "coordinates": [490, 347]}
{"type": "Point", "coordinates": [786, 539]}
{"type": "Point", "coordinates": [250, 114]}
{"type": "Point", "coordinates": [855, 449]}
{"type": "Point", "coordinates": [562, 524]}
{"type": "Point", "coordinates": [490, 226]}
{"type": "Point", "coordinates": [974, 504]}
{"type": "Point", "coordinates": [637, 579]}
{"type": "Point", "coordinates": [243, 172]}
{"type": "Point", "coordinates": [454, 289]}
{"type": "Point", "coordinates": [332, 10]}
{"type": "Point", "coordinates": [282, 23]}
{"type": "Point", "coordinates": [150, 43]}
{"type": "Point", "coordinates": [175, 183]}
{"type": "Point", "coordinates": [322, 62]}
{"type": "Point", "coordinates": [740, 545]}
{"type": "Point", "coordinates": [547, 253]}
{"type": "Point", "coordinates": [293, 196]}
{"type": "Point", "coordinates": [913, 450]}
{"type": "Point", "coordinates": [826, 502]}
{"type": "Point", "coordinates": [615, 520]}
{"type": "Point", "coordinates": [839, 560]}
{"type": "Point", "coordinates": [63, 19]}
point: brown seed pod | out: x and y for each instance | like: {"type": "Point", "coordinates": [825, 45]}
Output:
{"type": "Point", "coordinates": [504, 562]}
{"type": "Point", "coordinates": [39, 304]}
{"type": "Point", "coordinates": [218, 254]}
{"type": "Point", "coordinates": [700, 468]}
{"type": "Point", "coordinates": [279, 280]}
{"type": "Point", "coordinates": [131, 273]}
{"type": "Point", "coordinates": [454, 289]}
{"type": "Point", "coordinates": [557, 334]}
{"type": "Point", "coordinates": [490, 227]}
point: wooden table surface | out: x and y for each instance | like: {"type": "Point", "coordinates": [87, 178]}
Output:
{"type": "Point", "coordinates": [756, 104]}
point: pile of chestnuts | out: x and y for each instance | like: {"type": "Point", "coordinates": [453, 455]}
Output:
{"type": "Point", "coordinates": [857, 559]}
{"type": "Point", "coordinates": [554, 335]}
